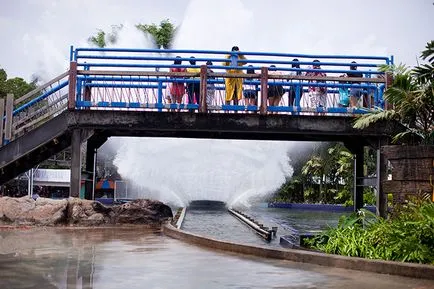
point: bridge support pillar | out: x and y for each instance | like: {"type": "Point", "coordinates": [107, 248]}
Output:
{"type": "Point", "coordinates": [381, 201]}
{"type": "Point", "coordinates": [74, 188]}
{"type": "Point", "coordinates": [358, 178]}
{"type": "Point", "coordinates": [92, 145]}
{"type": "Point", "coordinates": [91, 154]}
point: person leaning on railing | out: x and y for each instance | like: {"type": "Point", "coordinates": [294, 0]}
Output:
{"type": "Point", "coordinates": [193, 88]}
{"type": "Point", "coordinates": [275, 91]}
{"type": "Point", "coordinates": [176, 87]}
{"type": "Point", "coordinates": [317, 95]}
{"type": "Point", "coordinates": [344, 98]}
{"type": "Point", "coordinates": [234, 86]}
{"type": "Point", "coordinates": [250, 90]}
{"type": "Point", "coordinates": [355, 92]}
{"type": "Point", "coordinates": [292, 93]}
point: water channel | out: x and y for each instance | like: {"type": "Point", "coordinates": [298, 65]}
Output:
{"type": "Point", "coordinates": [138, 258]}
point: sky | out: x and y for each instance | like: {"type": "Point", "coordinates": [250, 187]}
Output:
{"type": "Point", "coordinates": [36, 35]}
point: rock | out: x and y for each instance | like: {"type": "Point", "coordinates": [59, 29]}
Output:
{"type": "Point", "coordinates": [141, 212]}
{"type": "Point", "coordinates": [86, 212]}
{"type": "Point", "coordinates": [25, 210]}
{"type": "Point", "coordinates": [73, 211]}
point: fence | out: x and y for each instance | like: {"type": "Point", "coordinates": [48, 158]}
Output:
{"type": "Point", "coordinates": [144, 79]}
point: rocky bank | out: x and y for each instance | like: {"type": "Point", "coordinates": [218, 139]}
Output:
{"type": "Point", "coordinates": [72, 211]}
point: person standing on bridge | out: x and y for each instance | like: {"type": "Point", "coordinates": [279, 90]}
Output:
{"type": "Point", "coordinates": [292, 93]}
{"type": "Point", "coordinates": [317, 94]}
{"type": "Point", "coordinates": [193, 88]}
{"type": "Point", "coordinates": [355, 91]}
{"type": "Point", "coordinates": [275, 91]}
{"type": "Point", "coordinates": [250, 89]}
{"type": "Point", "coordinates": [210, 87]}
{"type": "Point", "coordinates": [234, 86]}
{"type": "Point", "coordinates": [177, 87]}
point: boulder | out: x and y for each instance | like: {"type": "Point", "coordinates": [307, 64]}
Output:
{"type": "Point", "coordinates": [141, 211]}
{"type": "Point", "coordinates": [88, 213]}
{"type": "Point", "coordinates": [73, 211]}
{"type": "Point", "coordinates": [25, 210]}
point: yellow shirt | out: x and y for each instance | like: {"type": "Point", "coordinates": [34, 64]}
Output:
{"type": "Point", "coordinates": [193, 70]}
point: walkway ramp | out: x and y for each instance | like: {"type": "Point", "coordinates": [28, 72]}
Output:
{"type": "Point", "coordinates": [35, 146]}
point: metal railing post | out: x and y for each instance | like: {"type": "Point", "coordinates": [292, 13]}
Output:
{"type": "Point", "coordinates": [72, 85]}
{"type": "Point", "coordinates": [203, 89]}
{"type": "Point", "coordinates": [9, 118]}
{"type": "Point", "coordinates": [160, 96]}
{"type": "Point", "coordinates": [388, 83]}
{"type": "Point", "coordinates": [264, 90]}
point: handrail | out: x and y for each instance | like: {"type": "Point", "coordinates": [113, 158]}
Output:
{"type": "Point", "coordinates": [41, 97]}
{"type": "Point", "coordinates": [226, 75]}
{"type": "Point", "coordinates": [184, 51]}
{"type": "Point", "coordinates": [40, 88]}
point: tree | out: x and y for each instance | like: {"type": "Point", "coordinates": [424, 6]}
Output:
{"type": "Point", "coordinates": [101, 39]}
{"type": "Point", "coordinates": [162, 34]}
{"type": "Point", "coordinates": [411, 96]}
{"type": "Point", "coordinates": [17, 86]}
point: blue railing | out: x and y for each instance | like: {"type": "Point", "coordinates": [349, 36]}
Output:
{"type": "Point", "coordinates": [140, 79]}
{"type": "Point", "coordinates": [150, 90]}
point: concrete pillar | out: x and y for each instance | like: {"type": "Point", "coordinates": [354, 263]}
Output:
{"type": "Point", "coordinates": [74, 188]}
{"type": "Point", "coordinates": [381, 202]}
{"type": "Point", "coordinates": [90, 170]}
{"type": "Point", "coordinates": [358, 178]}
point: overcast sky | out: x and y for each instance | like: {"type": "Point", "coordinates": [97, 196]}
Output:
{"type": "Point", "coordinates": [36, 35]}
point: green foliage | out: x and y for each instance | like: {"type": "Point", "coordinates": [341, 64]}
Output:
{"type": "Point", "coordinates": [163, 34]}
{"type": "Point", "coordinates": [102, 39]}
{"type": "Point", "coordinates": [98, 40]}
{"type": "Point", "coordinates": [325, 176]}
{"type": "Point", "coordinates": [411, 98]}
{"type": "Point", "coordinates": [17, 86]}
{"type": "Point", "coordinates": [408, 238]}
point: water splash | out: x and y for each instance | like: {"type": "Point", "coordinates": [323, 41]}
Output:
{"type": "Point", "coordinates": [181, 170]}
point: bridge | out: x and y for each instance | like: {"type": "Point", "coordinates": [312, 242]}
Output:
{"type": "Point", "coordinates": [130, 92]}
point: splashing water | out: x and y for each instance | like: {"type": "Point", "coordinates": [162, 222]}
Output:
{"type": "Point", "coordinates": [181, 170]}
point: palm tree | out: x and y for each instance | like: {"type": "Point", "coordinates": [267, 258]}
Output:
{"type": "Point", "coordinates": [412, 97]}
{"type": "Point", "coordinates": [313, 170]}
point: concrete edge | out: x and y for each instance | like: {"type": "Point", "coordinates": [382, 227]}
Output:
{"type": "Point", "coordinates": [353, 263]}
{"type": "Point", "coordinates": [181, 218]}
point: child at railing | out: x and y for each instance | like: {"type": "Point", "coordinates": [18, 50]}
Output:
{"type": "Point", "coordinates": [317, 95]}
{"type": "Point", "coordinates": [193, 88]}
{"type": "Point", "coordinates": [292, 93]}
{"type": "Point", "coordinates": [344, 98]}
{"type": "Point", "coordinates": [250, 91]}
{"type": "Point", "coordinates": [355, 92]}
{"type": "Point", "coordinates": [275, 91]}
{"type": "Point", "coordinates": [176, 87]}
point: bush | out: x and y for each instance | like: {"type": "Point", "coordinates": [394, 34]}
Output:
{"type": "Point", "coordinates": [407, 238]}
